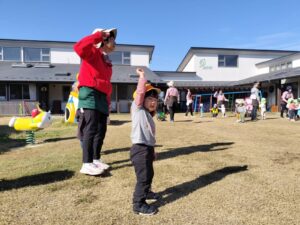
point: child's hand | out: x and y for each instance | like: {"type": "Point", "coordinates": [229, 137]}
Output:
{"type": "Point", "coordinates": [140, 72]}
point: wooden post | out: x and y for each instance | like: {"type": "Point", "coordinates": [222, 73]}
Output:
{"type": "Point", "coordinates": [278, 95]}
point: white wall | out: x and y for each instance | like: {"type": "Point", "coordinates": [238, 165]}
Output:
{"type": "Point", "coordinates": [262, 70]}
{"type": "Point", "coordinates": [296, 63]}
{"type": "Point", "coordinates": [64, 55]}
{"type": "Point", "coordinates": [140, 59]}
{"type": "Point", "coordinates": [206, 67]}
{"type": "Point", "coordinates": [190, 66]}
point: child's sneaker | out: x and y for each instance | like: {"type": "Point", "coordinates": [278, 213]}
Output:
{"type": "Point", "coordinates": [91, 169]}
{"type": "Point", "coordinates": [153, 196]}
{"type": "Point", "coordinates": [144, 209]}
{"type": "Point", "coordinates": [99, 163]}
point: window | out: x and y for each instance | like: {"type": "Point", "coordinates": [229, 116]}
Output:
{"type": "Point", "coordinates": [66, 92]}
{"type": "Point", "coordinates": [19, 91]}
{"type": "Point", "coordinates": [120, 58]}
{"type": "Point", "coordinates": [277, 67]}
{"type": "Point", "coordinates": [11, 53]}
{"type": "Point", "coordinates": [289, 65]}
{"type": "Point", "coordinates": [228, 60]}
{"type": "Point", "coordinates": [126, 58]}
{"type": "Point", "coordinates": [116, 57]}
{"type": "Point", "coordinates": [2, 92]}
{"type": "Point", "coordinates": [283, 66]}
{"type": "Point", "coordinates": [1, 53]}
{"type": "Point", "coordinates": [272, 68]}
{"type": "Point", "coordinates": [45, 55]}
{"type": "Point", "coordinates": [36, 55]}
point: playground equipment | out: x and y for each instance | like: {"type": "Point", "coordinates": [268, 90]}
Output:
{"type": "Point", "coordinates": [205, 107]}
{"type": "Point", "coordinates": [39, 120]}
{"type": "Point", "coordinates": [72, 104]}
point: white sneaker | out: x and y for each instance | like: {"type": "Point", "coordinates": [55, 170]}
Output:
{"type": "Point", "coordinates": [99, 163]}
{"type": "Point", "coordinates": [91, 169]}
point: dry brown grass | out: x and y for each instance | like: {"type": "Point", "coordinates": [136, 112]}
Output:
{"type": "Point", "coordinates": [201, 172]}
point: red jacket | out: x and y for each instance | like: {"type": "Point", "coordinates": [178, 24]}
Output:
{"type": "Point", "coordinates": [95, 71]}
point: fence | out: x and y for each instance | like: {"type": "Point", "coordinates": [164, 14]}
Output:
{"type": "Point", "coordinates": [21, 108]}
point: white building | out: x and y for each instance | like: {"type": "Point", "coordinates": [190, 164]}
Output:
{"type": "Point", "coordinates": [43, 71]}
{"type": "Point", "coordinates": [221, 64]}
{"type": "Point", "coordinates": [237, 70]}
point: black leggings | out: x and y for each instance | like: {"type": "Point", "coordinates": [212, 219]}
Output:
{"type": "Point", "coordinates": [283, 108]}
{"type": "Point", "coordinates": [92, 126]}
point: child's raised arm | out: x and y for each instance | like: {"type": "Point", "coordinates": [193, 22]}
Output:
{"type": "Point", "coordinates": [141, 88]}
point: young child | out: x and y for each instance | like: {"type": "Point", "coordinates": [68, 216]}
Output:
{"type": "Point", "coordinates": [263, 108]}
{"type": "Point", "coordinates": [240, 110]}
{"type": "Point", "coordinates": [291, 105]}
{"type": "Point", "coordinates": [201, 109]}
{"type": "Point", "coordinates": [214, 110]}
{"type": "Point", "coordinates": [142, 152]}
{"type": "Point", "coordinates": [223, 110]}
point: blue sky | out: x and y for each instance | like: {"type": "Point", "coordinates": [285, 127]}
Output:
{"type": "Point", "coordinates": [171, 26]}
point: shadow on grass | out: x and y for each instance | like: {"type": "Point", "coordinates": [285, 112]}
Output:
{"type": "Point", "coordinates": [34, 180]}
{"type": "Point", "coordinates": [118, 122]}
{"type": "Point", "coordinates": [182, 121]}
{"type": "Point", "coordinates": [192, 149]}
{"type": "Point", "coordinates": [204, 121]}
{"type": "Point", "coordinates": [174, 193]}
{"type": "Point", "coordinates": [271, 118]}
{"type": "Point", "coordinates": [8, 143]}
{"type": "Point", "coordinates": [111, 151]}
{"type": "Point", "coordinates": [171, 153]}
{"type": "Point", "coordinates": [59, 139]}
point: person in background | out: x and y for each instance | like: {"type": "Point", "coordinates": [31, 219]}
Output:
{"type": "Point", "coordinates": [171, 99]}
{"type": "Point", "coordinates": [263, 108]}
{"type": "Point", "coordinates": [142, 152]}
{"type": "Point", "coordinates": [214, 111]}
{"type": "Point", "coordinates": [292, 106]}
{"type": "Point", "coordinates": [94, 96]}
{"type": "Point", "coordinates": [240, 109]}
{"type": "Point", "coordinates": [255, 101]}
{"type": "Point", "coordinates": [189, 103]}
{"type": "Point", "coordinates": [220, 98]}
{"type": "Point", "coordinates": [286, 95]}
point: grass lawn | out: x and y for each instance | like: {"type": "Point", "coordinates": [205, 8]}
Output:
{"type": "Point", "coordinates": [209, 171]}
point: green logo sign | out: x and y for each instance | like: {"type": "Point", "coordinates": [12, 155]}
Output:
{"type": "Point", "coordinates": [202, 65]}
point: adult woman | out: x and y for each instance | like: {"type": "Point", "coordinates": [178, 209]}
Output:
{"type": "Point", "coordinates": [284, 100]}
{"type": "Point", "coordinates": [171, 99]}
{"type": "Point", "coordinates": [255, 100]}
{"type": "Point", "coordinates": [189, 103]}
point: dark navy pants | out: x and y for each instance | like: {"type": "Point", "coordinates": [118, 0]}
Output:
{"type": "Point", "coordinates": [142, 157]}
